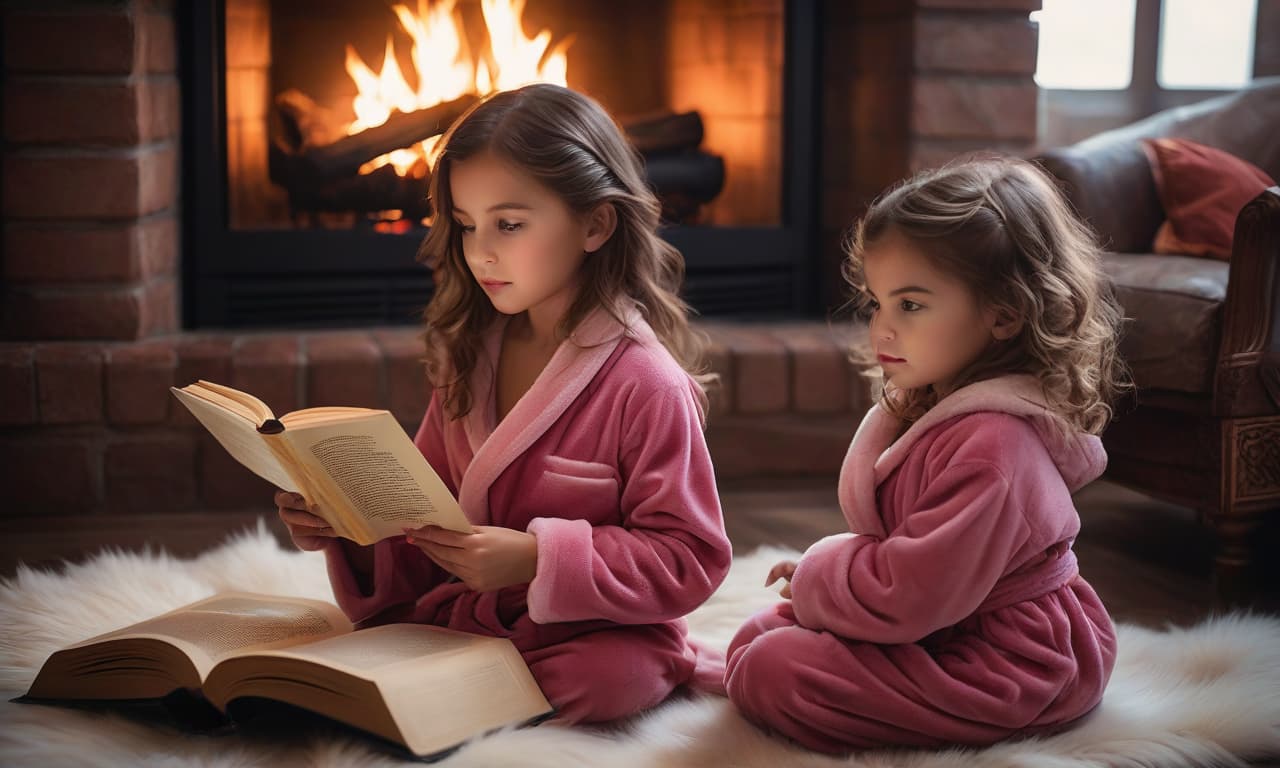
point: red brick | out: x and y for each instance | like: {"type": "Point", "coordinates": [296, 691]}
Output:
{"type": "Point", "coordinates": [864, 389]}
{"type": "Point", "coordinates": [761, 369]}
{"type": "Point", "coordinates": [158, 245]}
{"type": "Point", "coordinates": [870, 10]}
{"type": "Point", "coordinates": [84, 42]}
{"type": "Point", "coordinates": [225, 483]}
{"type": "Point", "coordinates": [248, 24]}
{"type": "Point", "coordinates": [964, 108]}
{"type": "Point", "coordinates": [199, 357]}
{"type": "Point", "coordinates": [267, 367]}
{"type": "Point", "coordinates": [158, 307]}
{"type": "Point", "coordinates": [151, 473]}
{"type": "Point", "coordinates": [408, 391]}
{"type": "Point", "coordinates": [762, 445]}
{"type": "Point", "coordinates": [343, 369]}
{"type": "Point", "coordinates": [158, 39]}
{"type": "Point", "coordinates": [54, 252]}
{"type": "Point", "coordinates": [48, 476]}
{"type": "Point", "coordinates": [158, 179]}
{"type": "Point", "coordinates": [161, 109]}
{"type": "Point", "coordinates": [819, 368]}
{"type": "Point", "coordinates": [934, 153]}
{"type": "Point", "coordinates": [983, 5]}
{"type": "Point", "coordinates": [18, 383]}
{"type": "Point", "coordinates": [58, 313]}
{"type": "Point", "coordinates": [53, 111]}
{"type": "Point", "coordinates": [719, 360]}
{"type": "Point", "coordinates": [138, 381]}
{"type": "Point", "coordinates": [864, 383]}
{"type": "Point", "coordinates": [117, 185]}
{"type": "Point", "coordinates": [69, 382]}
{"type": "Point", "coordinates": [948, 44]}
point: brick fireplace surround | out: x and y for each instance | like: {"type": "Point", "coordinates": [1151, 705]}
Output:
{"type": "Point", "coordinates": [90, 440]}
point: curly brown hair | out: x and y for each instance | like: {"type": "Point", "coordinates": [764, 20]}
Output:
{"type": "Point", "coordinates": [1004, 229]}
{"type": "Point", "coordinates": [567, 142]}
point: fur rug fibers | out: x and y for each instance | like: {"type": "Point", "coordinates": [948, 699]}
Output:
{"type": "Point", "coordinates": [1207, 695]}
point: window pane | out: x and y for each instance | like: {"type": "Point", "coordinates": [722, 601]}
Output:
{"type": "Point", "coordinates": [1085, 44]}
{"type": "Point", "coordinates": [1206, 45]}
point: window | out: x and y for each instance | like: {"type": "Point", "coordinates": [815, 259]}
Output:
{"type": "Point", "coordinates": [1206, 45]}
{"type": "Point", "coordinates": [1085, 44]}
{"type": "Point", "coordinates": [1145, 45]}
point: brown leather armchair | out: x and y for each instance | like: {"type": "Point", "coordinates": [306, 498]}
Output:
{"type": "Point", "coordinates": [1203, 340]}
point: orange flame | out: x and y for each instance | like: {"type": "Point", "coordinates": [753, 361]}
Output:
{"type": "Point", "coordinates": [446, 70]}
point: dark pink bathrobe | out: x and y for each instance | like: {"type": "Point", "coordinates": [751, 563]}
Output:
{"type": "Point", "coordinates": [955, 613]}
{"type": "Point", "coordinates": [603, 459]}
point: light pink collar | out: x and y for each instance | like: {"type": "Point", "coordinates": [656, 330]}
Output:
{"type": "Point", "coordinates": [575, 363]}
{"type": "Point", "coordinates": [874, 454]}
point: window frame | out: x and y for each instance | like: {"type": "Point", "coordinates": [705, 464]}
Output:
{"type": "Point", "coordinates": [1078, 114]}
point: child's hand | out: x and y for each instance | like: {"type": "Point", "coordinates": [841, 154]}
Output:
{"type": "Point", "coordinates": [488, 558]}
{"type": "Point", "coordinates": [783, 570]}
{"type": "Point", "coordinates": [308, 531]}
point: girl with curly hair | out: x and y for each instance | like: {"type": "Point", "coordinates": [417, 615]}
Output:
{"type": "Point", "coordinates": [954, 612]}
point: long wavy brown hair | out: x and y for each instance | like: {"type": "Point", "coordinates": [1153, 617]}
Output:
{"type": "Point", "coordinates": [568, 143]}
{"type": "Point", "coordinates": [1004, 229]}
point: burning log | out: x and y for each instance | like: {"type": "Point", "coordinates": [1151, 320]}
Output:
{"type": "Point", "coordinates": [694, 175]}
{"type": "Point", "coordinates": [684, 182]}
{"type": "Point", "coordinates": [312, 158]}
{"type": "Point", "coordinates": [305, 123]}
{"type": "Point", "coordinates": [345, 156]}
{"type": "Point", "coordinates": [381, 190]}
{"type": "Point", "coordinates": [664, 132]}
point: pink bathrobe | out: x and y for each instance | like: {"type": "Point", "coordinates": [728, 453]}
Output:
{"type": "Point", "coordinates": [955, 613]}
{"type": "Point", "coordinates": [604, 461]}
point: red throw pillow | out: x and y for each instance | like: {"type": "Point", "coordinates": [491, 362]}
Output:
{"type": "Point", "coordinates": [1202, 190]}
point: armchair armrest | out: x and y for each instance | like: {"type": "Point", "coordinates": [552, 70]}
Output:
{"type": "Point", "coordinates": [1247, 381]}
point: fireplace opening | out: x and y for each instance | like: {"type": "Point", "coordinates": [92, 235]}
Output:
{"type": "Point", "coordinates": [311, 133]}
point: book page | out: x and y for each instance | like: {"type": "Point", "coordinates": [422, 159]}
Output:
{"type": "Point", "coordinates": [323, 413]}
{"type": "Point", "coordinates": [437, 705]}
{"type": "Point", "coordinates": [253, 405]}
{"type": "Point", "coordinates": [439, 686]}
{"type": "Point", "coordinates": [240, 437]}
{"type": "Point", "coordinates": [379, 472]}
{"type": "Point", "coordinates": [232, 623]}
{"type": "Point", "coordinates": [365, 652]}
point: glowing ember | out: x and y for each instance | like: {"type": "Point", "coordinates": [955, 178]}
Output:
{"type": "Point", "coordinates": [445, 70]}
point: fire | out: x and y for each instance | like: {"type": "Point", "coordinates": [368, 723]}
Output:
{"type": "Point", "coordinates": [445, 69]}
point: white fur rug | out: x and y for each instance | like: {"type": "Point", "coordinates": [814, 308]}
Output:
{"type": "Point", "coordinates": [1209, 695]}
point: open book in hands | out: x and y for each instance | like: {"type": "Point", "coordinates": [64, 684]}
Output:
{"type": "Point", "coordinates": [358, 467]}
{"type": "Point", "coordinates": [421, 687]}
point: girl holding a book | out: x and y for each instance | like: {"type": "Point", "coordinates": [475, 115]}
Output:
{"type": "Point", "coordinates": [566, 416]}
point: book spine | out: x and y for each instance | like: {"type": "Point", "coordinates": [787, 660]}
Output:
{"type": "Point", "coordinates": [271, 427]}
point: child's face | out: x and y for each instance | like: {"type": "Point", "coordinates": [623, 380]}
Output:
{"type": "Point", "coordinates": [524, 246]}
{"type": "Point", "coordinates": [926, 326]}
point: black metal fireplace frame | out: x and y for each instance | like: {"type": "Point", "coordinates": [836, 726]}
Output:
{"type": "Point", "coordinates": [308, 278]}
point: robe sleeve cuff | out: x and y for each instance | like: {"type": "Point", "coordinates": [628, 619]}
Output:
{"type": "Point", "coordinates": [563, 577]}
{"type": "Point", "coordinates": [813, 576]}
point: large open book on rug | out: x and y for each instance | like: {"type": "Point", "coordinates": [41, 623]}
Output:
{"type": "Point", "coordinates": [424, 688]}
{"type": "Point", "coordinates": [357, 465]}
